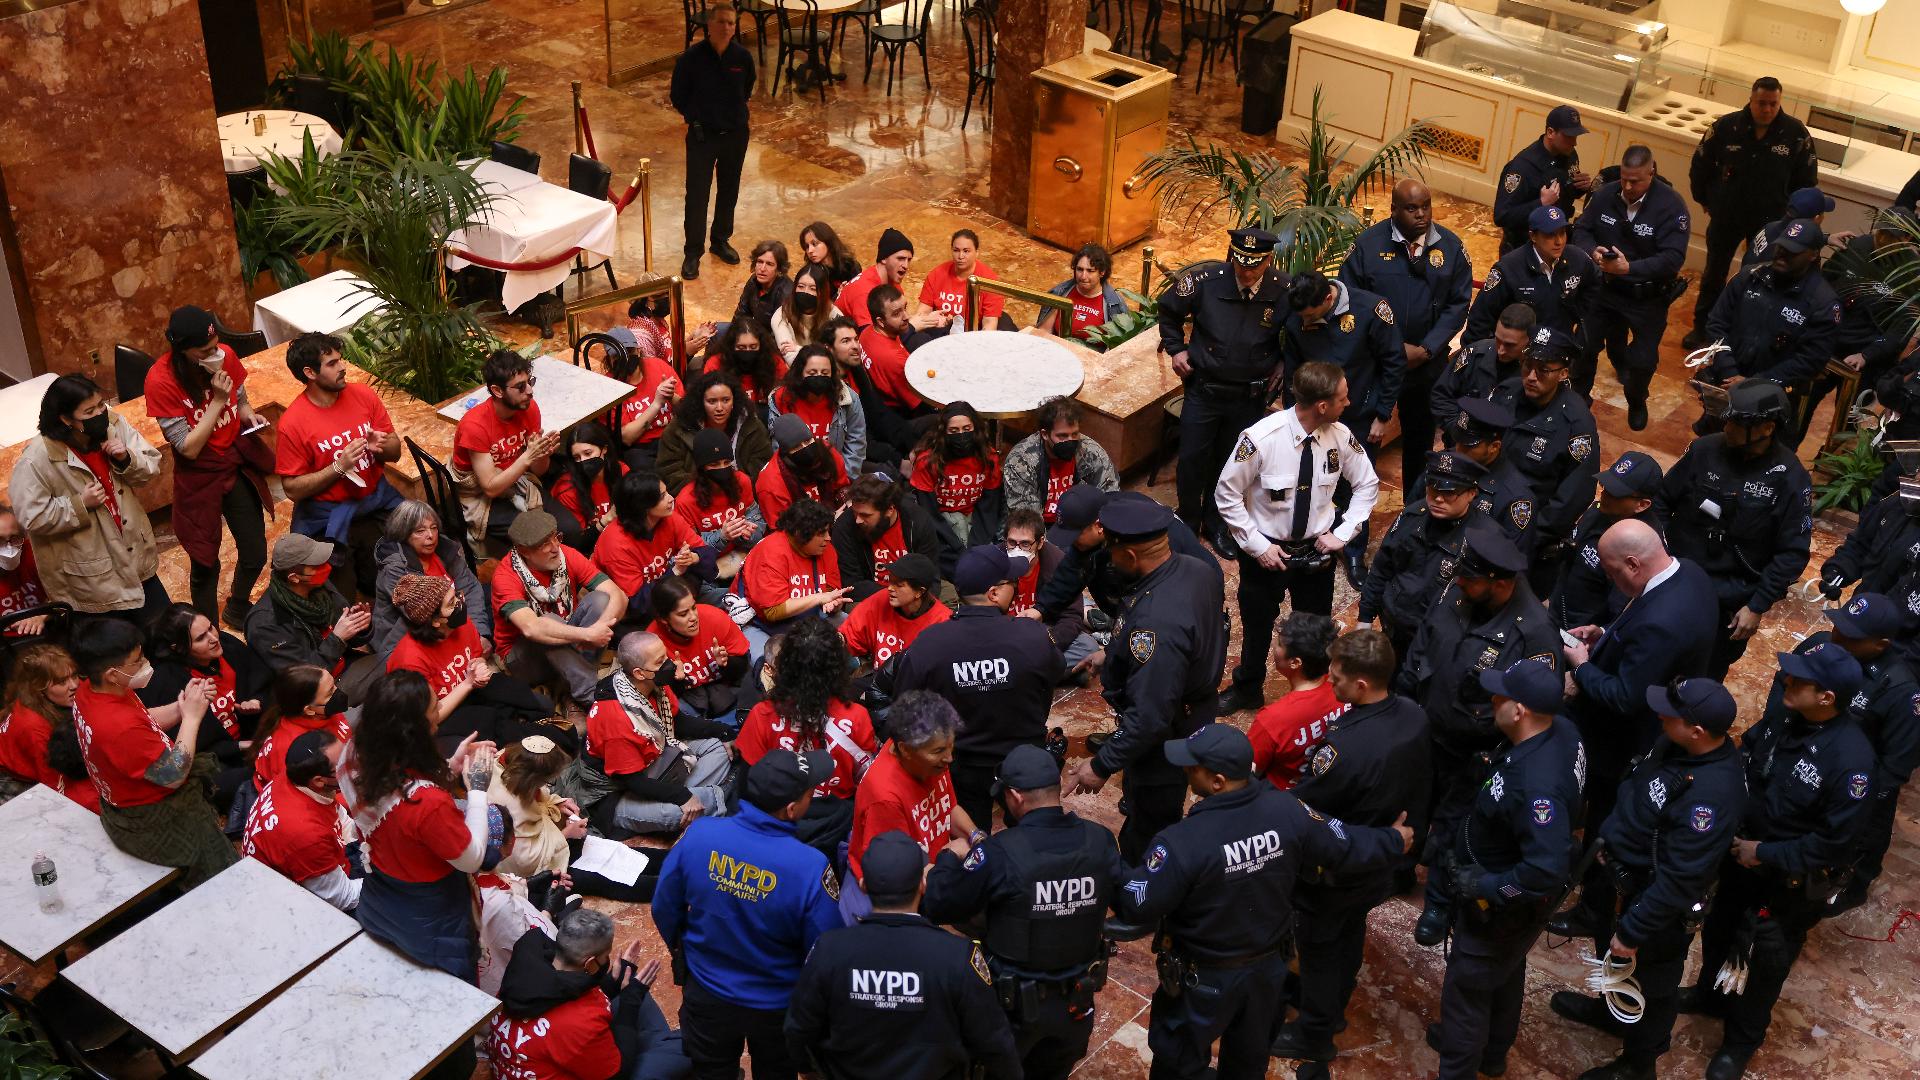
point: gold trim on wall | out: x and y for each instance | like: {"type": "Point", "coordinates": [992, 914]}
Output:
{"type": "Point", "coordinates": [1866, 48]}
{"type": "Point", "coordinates": [1493, 104]}
{"type": "Point", "coordinates": [1294, 99]}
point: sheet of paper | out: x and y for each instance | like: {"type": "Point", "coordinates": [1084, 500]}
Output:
{"type": "Point", "coordinates": [611, 860]}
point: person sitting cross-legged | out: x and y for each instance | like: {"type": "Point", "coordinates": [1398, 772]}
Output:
{"type": "Point", "coordinates": [554, 612]}
{"type": "Point", "coordinates": [299, 824]}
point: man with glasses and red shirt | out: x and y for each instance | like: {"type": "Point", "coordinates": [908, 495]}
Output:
{"type": "Point", "coordinates": [499, 450]}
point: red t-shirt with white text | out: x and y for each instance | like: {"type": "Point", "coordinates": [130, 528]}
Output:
{"type": "Point", "coordinates": [652, 373]}
{"type": "Point", "coordinates": [875, 629]}
{"type": "Point", "coordinates": [270, 760]}
{"type": "Point", "coordinates": [20, 587]}
{"type": "Point", "coordinates": [718, 510]}
{"type": "Point", "coordinates": [697, 663]}
{"type": "Point", "coordinates": [961, 482]}
{"type": "Point", "coordinates": [571, 1041]}
{"type": "Point", "coordinates": [611, 737]}
{"type": "Point", "coordinates": [776, 573]}
{"type": "Point", "coordinates": [764, 730]}
{"type": "Point", "coordinates": [774, 496]}
{"type": "Point", "coordinates": [945, 290]}
{"type": "Point", "coordinates": [119, 740]}
{"type": "Point", "coordinates": [311, 438]}
{"type": "Point", "coordinates": [482, 431]}
{"type": "Point", "coordinates": [1282, 732]}
{"type": "Point", "coordinates": [445, 662]}
{"type": "Point", "coordinates": [890, 799]}
{"type": "Point", "coordinates": [887, 365]}
{"type": "Point", "coordinates": [24, 735]}
{"type": "Point", "coordinates": [567, 495]}
{"type": "Point", "coordinates": [816, 412]}
{"type": "Point", "coordinates": [891, 545]}
{"type": "Point", "coordinates": [1060, 476]}
{"type": "Point", "coordinates": [418, 837]}
{"type": "Point", "coordinates": [1088, 312]}
{"type": "Point", "coordinates": [635, 562]}
{"type": "Point", "coordinates": [294, 833]}
{"type": "Point", "coordinates": [166, 398]}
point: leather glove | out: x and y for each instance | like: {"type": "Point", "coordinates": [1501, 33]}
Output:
{"type": "Point", "coordinates": [1832, 587]}
{"type": "Point", "coordinates": [1469, 881]}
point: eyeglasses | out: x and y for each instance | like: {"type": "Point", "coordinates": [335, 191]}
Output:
{"type": "Point", "coordinates": [528, 385]}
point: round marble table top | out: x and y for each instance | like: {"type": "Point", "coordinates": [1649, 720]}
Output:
{"type": "Point", "coordinates": [243, 150]}
{"type": "Point", "coordinates": [1000, 373]}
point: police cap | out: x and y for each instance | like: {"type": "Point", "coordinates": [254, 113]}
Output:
{"type": "Point", "coordinates": [1565, 119]}
{"type": "Point", "coordinates": [1480, 420]}
{"type": "Point", "coordinates": [1532, 683]}
{"type": "Point", "coordinates": [1079, 507]}
{"type": "Point", "coordinates": [1547, 219]}
{"type": "Point", "coordinates": [892, 865]}
{"type": "Point", "coordinates": [1634, 475]}
{"type": "Point", "coordinates": [1699, 701]}
{"type": "Point", "coordinates": [1217, 747]}
{"type": "Point", "coordinates": [1490, 554]}
{"type": "Point", "coordinates": [1553, 344]}
{"type": "Point", "coordinates": [1027, 768]}
{"type": "Point", "coordinates": [1801, 234]}
{"type": "Point", "coordinates": [1809, 201]}
{"type": "Point", "coordinates": [1827, 666]}
{"type": "Point", "coordinates": [1250, 247]}
{"type": "Point", "coordinates": [782, 776]}
{"type": "Point", "coordinates": [1131, 515]}
{"type": "Point", "coordinates": [982, 567]}
{"type": "Point", "coordinates": [1452, 470]}
{"type": "Point", "coordinates": [1866, 617]}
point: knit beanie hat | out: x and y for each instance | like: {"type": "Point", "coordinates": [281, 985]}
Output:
{"type": "Point", "coordinates": [710, 446]}
{"type": "Point", "coordinates": [419, 596]}
{"type": "Point", "coordinates": [891, 241]}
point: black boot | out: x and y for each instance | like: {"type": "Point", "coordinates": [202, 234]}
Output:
{"type": "Point", "coordinates": [1582, 1009]}
{"type": "Point", "coordinates": [1291, 1043]}
{"type": "Point", "coordinates": [1728, 1064]}
{"type": "Point", "coordinates": [1241, 697]}
{"type": "Point", "coordinates": [1576, 922]}
{"type": "Point", "coordinates": [1619, 1069]}
{"type": "Point", "coordinates": [690, 268]}
{"type": "Point", "coordinates": [724, 251]}
{"type": "Point", "coordinates": [1431, 930]}
{"type": "Point", "coordinates": [1491, 1064]}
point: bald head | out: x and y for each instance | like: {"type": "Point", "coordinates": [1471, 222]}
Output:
{"type": "Point", "coordinates": [640, 651]}
{"type": "Point", "coordinates": [1632, 554]}
{"type": "Point", "coordinates": [1412, 208]}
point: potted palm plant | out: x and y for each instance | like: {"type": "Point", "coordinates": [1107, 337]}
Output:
{"type": "Point", "coordinates": [1883, 272]}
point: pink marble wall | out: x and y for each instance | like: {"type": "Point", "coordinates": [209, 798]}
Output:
{"type": "Point", "coordinates": [113, 176]}
{"type": "Point", "coordinates": [1032, 34]}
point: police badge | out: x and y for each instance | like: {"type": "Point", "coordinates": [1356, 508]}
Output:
{"type": "Point", "coordinates": [1323, 758]}
{"type": "Point", "coordinates": [1384, 312]}
{"type": "Point", "coordinates": [1521, 512]}
{"type": "Point", "coordinates": [1580, 446]}
{"type": "Point", "coordinates": [1701, 819]}
{"type": "Point", "coordinates": [1436, 258]}
{"type": "Point", "coordinates": [1511, 183]}
{"type": "Point", "coordinates": [1346, 323]}
{"type": "Point", "coordinates": [1141, 643]}
{"type": "Point", "coordinates": [1489, 656]}
{"type": "Point", "coordinates": [1185, 288]}
{"type": "Point", "coordinates": [1266, 317]}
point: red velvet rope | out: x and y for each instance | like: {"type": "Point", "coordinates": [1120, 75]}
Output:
{"type": "Point", "coordinates": [586, 128]}
{"type": "Point", "coordinates": [1893, 931]}
{"type": "Point", "coordinates": [619, 204]}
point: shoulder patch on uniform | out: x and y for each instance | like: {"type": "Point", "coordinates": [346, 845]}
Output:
{"type": "Point", "coordinates": [1544, 658]}
{"type": "Point", "coordinates": [1141, 643]}
{"type": "Point", "coordinates": [1355, 444]}
{"type": "Point", "coordinates": [978, 961]}
{"type": "Point", "coordinates": [976, 858]}
{"type": "Point", "coordinates": [1857, 786]}
{"type": "Point", "coordinates": [1543, 811]}
{"type": "Point", "coordinates": [1510, 183]}
{"type": "Point", "coordinates": [1492, 281]}
{"type": "Point", "coordinates": [1322, 759]}
{"type": "Point", "coordinates": [1521, 512]}
{"type": "Point", "coordinates": [1580, 446]}
{"type": "Point", "coordinates": [1916, 704]}
{"type": "Point", "coordinates": [1700, 819]}
{"type": "Point", "coordinates": [1384, 312]}
{"type": "Point", "coordinates": [1244, 449]}
{"type": "Point", "coordinates": [829, 882]}
{"type": "Point", "coordinates": [1185, 287]}
{"type": "Point", "coordinates": [1156, 858]}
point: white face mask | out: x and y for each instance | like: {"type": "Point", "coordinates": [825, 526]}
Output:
{"type": "Point", "coordinates": [9, 556]}
{"type": "Point", "coordinates": [214, 363]}
{"type": "Point", "coordinates": [139, 679]}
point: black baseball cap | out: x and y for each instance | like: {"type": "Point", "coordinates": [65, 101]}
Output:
{"type": "Point", "coordinates": [1866, 617]}
{"type": "Point", "coordinates": [1078, 508]}
{"type": "Point", "coordinates": [1532, 683]}
{"type": "Point", "coordinates": [1633, 475]}
{"type": "Point", "coordinates": [1451, 470]}
{"type": "Point", "coordinates": [915, 570]}
{"type": "Point", "coordinates": [189, 327]}
{"type": "Point", "coordinates": [1698, 701]}
{"type": "Point", "coordinates": [783, 775]}
{"type": "Point", "coordinates": [1827, 666]}
{"type": "Point", "coordinates": [892, 865]}
{"type": "Point", "coordinates": [1490, 554]}
{"type": "Point", "coordinates": [1565, 119]}
{"type": "Point", "coordinates": [1027, 768]}
{"type": "Point", "coordinates": [1217, 747]}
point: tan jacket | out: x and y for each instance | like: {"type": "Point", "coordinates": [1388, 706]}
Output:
{"type": "Point", "coordinates": [538, 842]}
{"type": "Point", "coordinates": [84, 558]}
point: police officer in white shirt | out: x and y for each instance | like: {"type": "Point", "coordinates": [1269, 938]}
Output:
{"type": "Point", "coordinates": [1276, 495]}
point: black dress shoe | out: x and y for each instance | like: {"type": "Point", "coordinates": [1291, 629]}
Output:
{"type": "Point", "coordinates": [1240, 698]}
{"type": "Point", "coordinates": [1728, 1064]}
{"type": "Point", "coordinates": [1355, 559]}
{"type": "Point", "coordinates": [690, 268]}
{"type": "Point", "coordinates": [1619, 1069]}
{"type": "Point", "coordinates": [1853, 896]}
{"type": "Point", "coordinates": [1696, 339]}
{"type": "Point", "coordinates": [1431, 930]}
{"type": "Point", "coordinates": [1491, 1064]}
{"type": "Point", "coordinates": [1582, 1009]}
{"type": "Point", "coordinates": [725, 253]}
{"type": "Point", "coordinates": [1291, 1043]}
{"type": "Point", "coordinates": [1223, 542]}
{"type": "Point", "coordinates": [1637, 415]}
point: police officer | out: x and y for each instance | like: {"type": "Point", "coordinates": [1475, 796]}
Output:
{"type": "Point", "coordinates": [1553, 276]}
{"type": "Point", "coordinates": [1646, 896]}
{"type": "Point", "coordinates": [1085, 568]}
{"type": "Point", "coordinates": [1421, 552]}
{"type": "Point", "coordinates": [1487, 620]}
{"type": "Point", "coordinates": [1237, 855]}
{"type": "Point", "coordinates": [1779, 321]}
{"type": "Point", "coordinates": [1506, 498]}
{"type": "Point", "coordinates": [1887, 707]}
{"type": "Point", "coordinates": [1162, 670]}
{"type": "Point", "coordinates": [1546, 173]}
{"type": "Point", "coordinates": [1807, 202]}
{"type": "Point", "coordinates": [998, 673]}
{"type": "Point", "coordinates": [1369, 768]}
{"type": "Point", "coordinates": [1044, 886]}
{"type": "Point", "coordinates": [1227, 362]}
{"type": "Point", "coordinates": [1740, 504]}
{"type": "Point", "coordinates": [1477, 368]}
{"type": "Point", "coordinates": [1636, 229]}
{"type": "Point", "coordinates": [1510, 859]}
{"type": "Point", "coordinates": [1742, 171]}
{"type": "Point", "coordinates": [895, 997]}
{"type": "Point", "coordinates": [1883, 556]}
{"type": "Point", "coordinates": [1553, 443]}
{"type": "Point", "coordinates": [1584, 596]}
{"type": "Point", "coordinates": [1277, 497]}
{"type": "Point", "coordinates": [1809, 784]}
{"type": "Point", "coordinates": [1423, 272]}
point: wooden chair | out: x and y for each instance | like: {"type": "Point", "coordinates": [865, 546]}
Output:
{"type": "Point", "coordinates": [594, 179]}
{"type": "Point", "coordinates": [695, 14]}
{"type": "Point", "coordinates": [759, 11]}
{"type": "Point", "coordinates": [893, 39]}
{"type": "Point", "coordinates": [130, 373]}
{"type": "Point", "coordinates": [515, 156]}
{"type": "Point", "coordinates": [976, 29]}
{"type": "Point", "coordinates": [437, 484]}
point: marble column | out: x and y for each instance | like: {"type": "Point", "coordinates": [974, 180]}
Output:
{"type": "Point", "coordinates": [113, 178]}
{"type": "Point", "coordinates": [1032, 34]}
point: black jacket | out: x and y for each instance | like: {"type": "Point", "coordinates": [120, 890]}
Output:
{"type": "Point", "coordinates": [998, 673]}
{"type": "Point", "coordinates": [1371, 766]}
{"type": "Point", "coordinates": [1559, 298]}
{"type": "Point", "coordinates": [1654, 242]}
{"type": "Point", "coordinates": [1472, 372]}
{"type": "Point", "coordinates": [1163, 667]}
{"type": "Point", "coordinates": [1676, 817]}
{"type": "Point", "coordinates": [1428, 295]}
{"type": "Point", "coordinates": [1583, 596]}
{"type": "Point", "coordinates": [281, 641]}
{"type": "Point", "coordinates": [1455, 644]}
{"type": "Point", "coordinates": [855, 553]}
{"type": "Point", "coordinates": [1520, 183]}
{"type": "Point", "coordinates": [1779, 331]}
{"type": "Point", "coordinates": [1747, 522]}
{"type": "Point", "coordinates": [1743, 182]}
{"type": "Point", "coordinates": [1232, 340]}
{"type": "Point", "coordinates": [712, 89]}
{"type": "Point", "coordinates": [531, 987]}
{"type": "Point", "coordinates": [1413, 566]}
{"type": "Point", "coordinates": [1520, 830]}
{"type": "Point", "coordinates": [1810, 785]}
{"type": "Point", "coordinates": [1092, 571]}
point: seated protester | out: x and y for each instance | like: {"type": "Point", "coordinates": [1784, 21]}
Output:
{"type": "Point", "coordinates": [20, 587]}
{"type": "Point", "coordinates": [894, 257]}
{"type": "Point", "coordinates": [570, 1011]}
{"type": "Point", "coordinates": [1026, 538]}
{"type": "Point", "coordinates": [1284, 731]}
{"type": "Point", "coordinates": [908, 788]}
{"type": "Point", "coordinates": [821, 247]}
{"type": "Point", "coordinates": [298, 824]}
{"type": "Point", "coordinates": [38, 744]}
{"type": "Point", "coordinates": [879, 527]}
{"type": "Point", "coordinates": [469, 698]}
{"type": "Point", "coordinates": [185, 646]}
{"type": "Point", "coordinates": [956, 479]}
{"type": "Point", "coordinates": [421, 846]}
{"type": "Point", "coordinates": [805, 312]}
{"type": "Point", "coordinates": [1095, 301]}
{"type": "Point", "coordinates": [711, 656]}
{"type": "Point", "coordinates": [814, 391]}
{"type": "Point", "coordinates": [887, 621]}
{"type": "Point", "coordinates": [542, 822]}
{"type": "Point", "coordinates": [713, 403]}
{"type": "Point", "coordinates": [1041, 467]}
{"type": "Point", "coordinates": [152, 788]}
{"type": "Point", "coordinates": [500, 451]}
{"type": "Point", "coordinates": [506, 910]}
{"type": "Point", "coordinates": [884, 342]}
{"type": "Point", "coordinates": [789, 575]}
{"type": "Point", "coordinates": [303, 619]}
{"type": "Point", "coordinates": [331, 450]}
{"type": "Point", "coordinates": [645, 414]}
{"type": "Point", "coordinates": [650, 320]}
{"type": "Point", "coordinates": [648, 766]}
{"type": "Point", "coordinates": [580, 497]}
{"type": "Point", "coordinates": [414, 543]}
{"type": "Point", "coordinates": [744, 352]}
{"type": "Point", "coordinates": [945, 290]}
{"type": "Point", "coordinates": [804, 467]}
{"type": "Point", "coordinates": [718, 504]}
{"type": "Point", "coordinates": [810, 707]}
{"type": "Point", "coordinates": [302, 695]}
{"type": "Point", "coordinates": [648, 541]}
{"type": "Point", "coordinates": [767, 286]}
{"type": "Point", "coordinates": [553, 613]}
{"type": "Point", "coordinates": [889, 432]}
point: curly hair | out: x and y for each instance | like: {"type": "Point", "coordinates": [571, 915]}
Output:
{"type": "Point", "coordinates": [919, 717]}
{"type": "Point", "coordinates": [934, 443]}
{"type": "Point", "coordinates": [394, 741]}
{"type": "Point", "coordinates": [805, 519]}
{"type": "Point", "coordinates": [761, 368]}
{"type": "Point", "coordinates": [811, 674]}
{"type": "Point", "coordinates": [691, 412]}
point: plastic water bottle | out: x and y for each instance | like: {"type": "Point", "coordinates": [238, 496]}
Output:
{"type": "Point", "coordinates": [46, 882]}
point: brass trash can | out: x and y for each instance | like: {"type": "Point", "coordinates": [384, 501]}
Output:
{"type": "Point", "coordinates": [1097, 116]}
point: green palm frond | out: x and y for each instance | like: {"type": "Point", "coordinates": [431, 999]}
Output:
{"type": "Point", "coordinates": [1887, 276]}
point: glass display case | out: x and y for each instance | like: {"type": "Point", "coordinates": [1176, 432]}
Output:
{"type": "Point", "coordinates": [1604, 55]}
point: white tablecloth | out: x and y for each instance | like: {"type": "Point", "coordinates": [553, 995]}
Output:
{"type": "Point", "coordinates": [323, 306]}
{"type": "Point", "coordinates": [244, 150]}
{"type": "Point", "coordinates": [497, 179]}
{"type": "Point", "coordinates": [535, 223]}
{"type": "Point", "coordinates": [1001, 373]}
{"type": "Point", "coordinates": [20, 409]}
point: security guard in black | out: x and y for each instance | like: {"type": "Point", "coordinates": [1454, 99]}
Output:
{"type": "Point", "coordinates": [1043, 886]}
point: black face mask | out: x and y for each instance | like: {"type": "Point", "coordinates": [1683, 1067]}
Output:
{"type": "Point", "coordinates": [591, 467]}
{"type": "Point", "coordinates": [95, 427]}
{"type": "Point", "coordinates": [1065, 449]}
{"type": "Point", "coordinates": [719, 472]}
{"type": "Point", "coordinates": [811, 460]}
{"type": "Point", "coordinates": [459, 616]}
{"type": "Point", "coordinates": [745, 358]}
{"type": "Point", "coordinates": [817, 385]}
{"type": "Point", "coordinates": [961, 445]}
{"type": "Point", "coordinates": [805, 303]}
{"type": "Point", "coordinates": [669, 672]}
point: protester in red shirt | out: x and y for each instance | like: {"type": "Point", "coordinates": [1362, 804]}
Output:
{"type": "Point", "coordinates": [500, 450]}
{"type": "Point", "coordinates": [790, 574]}
{"type": "Point", "coordinates": [581, 495]}
{"type": "Point", "coordinates": [810, 707]}
{"type": "Point", "coordinates": [908, 788]}
{"type": "Point", "coordinates": [303, 695]}
{"type": "Point", "coordinates": [333, 443]}
{"type": "Point", "coordinates": [442, 647]}
{"type": "Point", "coordinates": [152, 801]}
{"type": "Point", "coordinates": [645, 414]}
{"type": "Point", "coordinates": [1095, 302]}
{"type": "Point", "coordinates": [296, 824]}
{"type": "Point", "coordinates": [815, 391]}
{"type": "Point", "coordinates": [184, 645]}
{"type": "Point", "coordinates": [20, 587]}
{"type": "Point", "coordinates": [884, 342]}
{"type": "Point", "coordinates": [554, 612]}
{"type": "Point", "coordinates": [648, 540]}
{"type": "Point", "coordinates": [718, 503]}
{"type": "Point", "coordinates": [1283, 731]}
{"type": "Point", "coordinates": [805, 467]}
{"type": "Point", "coordinates": [571, 1010]}
{"type": "Point", "coordinates": [945, 290]}
{"type": "Point", "coordinates": [745, 353]}
{"type": "Point", "coordinates": [710, 654]}
{"type": "Point", "coordinates": [650, 766]}
{"type": "Point", "coordinates": [881, 525]}
{"type": "Point", "coordinates": [886, 622]}
{"type": "Point", "coordinates": [956, 479]}
{"type": "Point", "coordinates": [38, 744]}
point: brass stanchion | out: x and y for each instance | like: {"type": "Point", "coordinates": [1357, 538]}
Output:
{"type": "Point", "coordinates": [579, 134]}
{"type": "Point", "coordinates": [1146, 270]}
{"type": "Point", "coordinates": [645, 179]}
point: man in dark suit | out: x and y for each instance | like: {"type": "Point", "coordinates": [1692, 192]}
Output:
{"type": "Point", "coordinates": [1666, 630]}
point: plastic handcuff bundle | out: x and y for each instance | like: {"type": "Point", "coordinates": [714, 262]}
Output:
{"type": "Point", "coordinates": [1612, 979]}
{"type": "Point", "coordinates": [1704, 355]}
{"type": "Point", "coordinates": [1732, 976]}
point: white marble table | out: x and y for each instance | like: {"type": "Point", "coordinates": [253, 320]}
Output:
{"type": "Point", "coordinates": [20, 410]}
{"type": "Point", "coordinates": [284, 137]}
{"type": "Point", "coordinates": [325, 305]}
{"type": "Point", "coordinates": [366, 1013]}
{"type": "Point", "coordinates": [566, 394]}
{"type": "Point", "coordinates": [210, 957]}
{"type": "Point", "coordinates": [97, 880]}
{"type": "Point", "coordinates": [532, 224]}
{"type": "Point", "coordinates": [1002, 373]}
